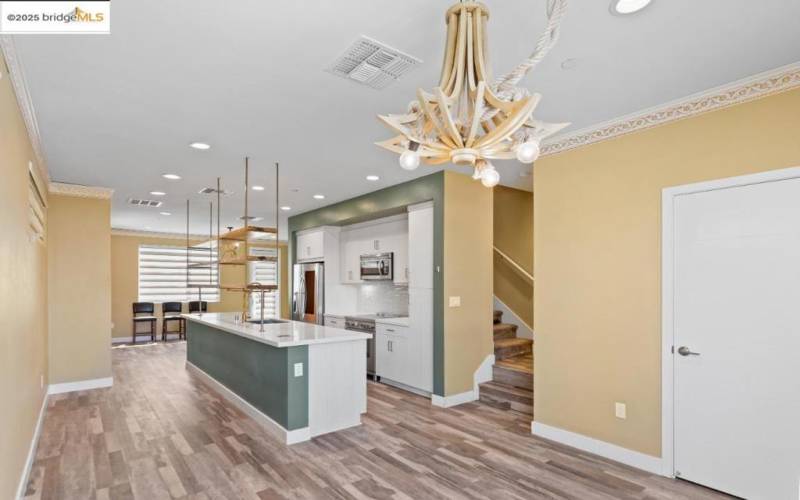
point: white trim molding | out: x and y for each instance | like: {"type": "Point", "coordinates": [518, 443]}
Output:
{"type": "Point", "coordinates": [668, 196]}
{"type": "Point", "coordinates": [619, 454]}
{"type": "Point", "coordinates": [284, 435]}
{"type": "Point", "coordinates": [754, 87]}
{"type": "Point", "coordinates": [26, 471]}
{"type": "Point", "coordinates": [81, 385]}
{"type": "Point", "coordinates": [81, 191]}
{"type": "Point", "coordinates": [481, 375]}
{"type": "Point", "coordinates": [17, 75]}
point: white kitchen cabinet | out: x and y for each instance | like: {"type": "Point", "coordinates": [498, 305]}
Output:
{"type": "Point", "coordinates": [379, 236]}
{"type": "Point", "coordinates": [420, 245]}
{"type": "Point", "coordinates": [392, 355]}
{"type": "Point", "coordinates": [334, 321]}
{"type": "Point", "coordinates": [311, 245]}
{"type": "Point", "coordinates": [420, 314]}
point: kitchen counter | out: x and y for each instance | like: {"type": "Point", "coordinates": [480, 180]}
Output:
{"type": "Point", "coordinates": [288, 334]}
{"type": "Point", "coordinates": [298, 380]}
{"type": "Point", "coordinates": [394, 321]}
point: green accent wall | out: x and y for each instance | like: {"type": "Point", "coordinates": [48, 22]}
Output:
{"type": "Point", "coordinates": [260, 374]}
{"type": "Point", "coordinates": [382, 203]}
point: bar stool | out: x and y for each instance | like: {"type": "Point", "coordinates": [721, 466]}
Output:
{"type": "Point", "coordinates": [195, 306]}
{"type": "Point", "coordinates": [147, 311]}
{"type": "Point", "coordinates": [171, 312]}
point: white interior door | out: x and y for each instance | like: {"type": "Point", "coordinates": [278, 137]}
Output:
{"type": "Point", "coordinates": [737, 304]}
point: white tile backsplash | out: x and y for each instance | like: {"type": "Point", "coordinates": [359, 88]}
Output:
{"type": "Point", "coordinates": [383, 298]}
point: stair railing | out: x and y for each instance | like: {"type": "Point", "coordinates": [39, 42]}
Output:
{"type": "Point", "coordinates": [516, 266]}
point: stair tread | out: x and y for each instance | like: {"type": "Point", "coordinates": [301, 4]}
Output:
{"type": "Point", "coordinates": [497, 387]}
{"type": "Point", "coordinates": [515, 341]}
{"type": "Point", "coordinates": [504, 326]}
{"type": "Point", "coordinates": [523, 363]}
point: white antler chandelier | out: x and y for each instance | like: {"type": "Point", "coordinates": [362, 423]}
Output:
{"type": "Point", "coordinates": [467, 120]}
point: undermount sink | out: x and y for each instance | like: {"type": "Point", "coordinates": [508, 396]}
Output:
{"type": "Point", "coordinates": [267, 321]}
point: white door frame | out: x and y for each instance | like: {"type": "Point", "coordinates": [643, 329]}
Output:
{"type": "Point", "coordinates": [668, 196]}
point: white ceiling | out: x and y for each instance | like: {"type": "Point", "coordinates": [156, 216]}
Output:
{"type": "Point", "coordinates": [247, 77]}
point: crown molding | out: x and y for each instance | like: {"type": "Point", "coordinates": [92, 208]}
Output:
{"type": "Point", "coordinates": [80, 191]}
{"type": "Point", "coordinates": [20, 85]}
{"type": "Point", "coordinates": [748, 89]}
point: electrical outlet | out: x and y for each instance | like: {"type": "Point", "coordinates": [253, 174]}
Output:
{"type": "Point", "coordinates": [298, 369]}
{"type": "Point", "coordinates": [455, 301]}
{"type": "Point", "coordinates": [620, 410]}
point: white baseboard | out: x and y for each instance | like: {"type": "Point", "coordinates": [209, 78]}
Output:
{"type": "Point", "coordinates": [273, 427]}
{"type": "Point", "coordinates": [81, 385]}
{"type": "Point", "coordinates": [632, 458]}
{"type": "Point", "coordinates": [26, 471]}
{"type": "Point", "coordinates": [454, 400]}
{"type": "Point", "coordinates": [405, 387]}
{"type": "Point", "coordinates": [481, 375]}
{"type": "Point", "coordinates": [523, 330]}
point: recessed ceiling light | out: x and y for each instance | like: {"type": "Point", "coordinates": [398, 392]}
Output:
{"type": "Point", "coordinates": [286, 208]}
{"type": "Point", "coordinates": [295, 190]}
{"type": "Point", "coordinates": [172, 177]}
{"type": "Point", "coordinates": [258, 188]}
{"type": "Point", "coordinates": [165, 213]}
{"type": "Point", "coordinates": [625, 7]}
{"type": "Point", "coordinates": [319, 196]}
{"type": "Point", "coordinates": [373, 178]}
{"type": "Point", "coordinates": [568, 64]}
{"type": "Point", "coordinates": [200, 145]}
{"type": "Point", "coordinates": [158, 193]}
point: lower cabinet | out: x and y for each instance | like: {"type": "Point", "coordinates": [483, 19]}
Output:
{"type": "Point", "coordinates": [334, 321]}
{"type": "Point", "coordinates": [401, 356]}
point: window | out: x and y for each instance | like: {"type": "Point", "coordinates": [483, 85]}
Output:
{"type": "Point", "coordinates": [266, 273]}
{"type": "Point", "coordinates": [36, 206]}
{"type": "Point", "coordinates": [162, 273]}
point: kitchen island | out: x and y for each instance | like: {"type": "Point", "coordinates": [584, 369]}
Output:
{"type": "Point", "coordinates": [299, 380]}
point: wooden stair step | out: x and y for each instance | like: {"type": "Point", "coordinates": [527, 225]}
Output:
{"type": "Point", "coordinates": [498, 316]}
{"type": "Point", "coordinates": [504, 331]}
{"type": "Point", "coordinates": [507, 397]}
{"type": "Point", "coordinates": [506, 348]}
{"type": "Point", "coordinates": [516, 371]}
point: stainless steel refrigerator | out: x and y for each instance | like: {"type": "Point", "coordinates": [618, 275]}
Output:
{"type": "Point", "coordinates": [308, 293]}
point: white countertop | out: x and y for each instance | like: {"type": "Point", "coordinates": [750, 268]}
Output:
{"type": "Point", "coordinates": [288, 334]}
{"type": "Point", "coordinates": [393, 321]}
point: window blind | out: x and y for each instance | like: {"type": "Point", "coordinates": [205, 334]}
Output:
{"type": "Point", "coordinates": [162, 273]}
{"type": "Point", "coordinates": [266, 273]}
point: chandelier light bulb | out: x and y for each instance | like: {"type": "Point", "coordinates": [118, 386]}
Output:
{"type": "Point", "coordinates": [409, 160]}
{"type": "Point", "coordinates": [489, 176]}
{"type": "Point", "coordinates": [528, 151]}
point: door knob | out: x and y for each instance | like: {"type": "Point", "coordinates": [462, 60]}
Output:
{"type": "Point", "coordinates": [685, 351]}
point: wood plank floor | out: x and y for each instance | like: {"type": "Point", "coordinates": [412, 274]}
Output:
{"type": "Point", "coordinates": [160, 433]}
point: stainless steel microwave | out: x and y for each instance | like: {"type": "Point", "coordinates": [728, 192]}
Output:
{"type": "Point", "coordinates": [377, 266]}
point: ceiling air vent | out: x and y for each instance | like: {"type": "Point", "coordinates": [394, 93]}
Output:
{"type": "Point", "coordinates": [372, 63]}
{"type": "Point", "coordinates": [144, 203]}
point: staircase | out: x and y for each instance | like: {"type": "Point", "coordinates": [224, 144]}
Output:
{"type": "Point", "coordinates": [512, 384]}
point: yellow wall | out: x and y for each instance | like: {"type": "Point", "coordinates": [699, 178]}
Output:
{"type": "Point", "coordinates": [79, 288]}
{"type": "Point", "coordinates": [597, 259]}
{"type": "Point", "coordinates": [125, 281]}
{"type": "Point", "coordinates": [23, 298]}
{"type": "Point", "coordinates": [513, 235]}
{"type": "Point", "coordinates": [468, 274]}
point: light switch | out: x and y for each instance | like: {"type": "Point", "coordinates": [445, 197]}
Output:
{"type": "Point", "coordinates": [620, 410]}
{"type": "Point", "coordinates": [298, 369]}
{"type": "Point", "coordinates": [455, 301]}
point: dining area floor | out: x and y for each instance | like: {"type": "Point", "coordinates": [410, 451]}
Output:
{"type": "Point", "coordinates": [160, 433]}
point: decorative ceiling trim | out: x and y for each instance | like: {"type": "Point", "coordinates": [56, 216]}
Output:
{"type": "Point", "coordinates": [20, 85]}
{"type": "Point", "coordinates": [748, 89]}
{"type": "Point", "coordinates": [81, 191]}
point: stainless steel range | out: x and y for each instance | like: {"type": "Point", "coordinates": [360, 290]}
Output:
{"type": "Point", "coordinates": [366, 324]}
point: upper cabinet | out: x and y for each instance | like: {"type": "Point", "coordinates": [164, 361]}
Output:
{"type": "Point", "coordinates": [380, 236]}
{"type": "Point", "coordinates": [420, 245]}
{"type": "Point", "coordinates": [311, 244]}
